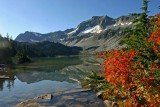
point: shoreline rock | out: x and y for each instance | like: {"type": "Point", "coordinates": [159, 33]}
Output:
{"type": "Point", "coordinates": [44, 97]}
{"type": "Point", "coordinates": [29, 103]}
{"type": "Point", "coordinates": [74, 98]}
{"type": "Point", "coordinates": [109, 103]}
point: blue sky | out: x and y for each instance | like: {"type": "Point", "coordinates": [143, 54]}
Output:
{"type": "Point", "coordinates": [44, 16]}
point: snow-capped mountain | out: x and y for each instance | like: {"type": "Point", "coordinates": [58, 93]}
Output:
{"type": "Point", "coordinates": [97, 33]}
{"type": "Point", "coordinates": [100, 32]}
{"type": "Point", "coordinates": [94, 25]}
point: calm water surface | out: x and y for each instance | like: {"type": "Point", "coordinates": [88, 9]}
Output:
{"type": "Point", "coordinates": [45, 75]}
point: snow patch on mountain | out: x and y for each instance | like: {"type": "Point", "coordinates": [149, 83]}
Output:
{"type": "Point", "coordinates": [94, 29]}
{"type": "Point", "coordinates": [62, 39]}
{"type": "Point", "coordinates": [129, 23]}
{"type": "Point", "coordinates": [122, 24]}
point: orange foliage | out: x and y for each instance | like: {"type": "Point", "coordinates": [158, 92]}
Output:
{"type": "Point", "coordinates": [130, 80]}
{"type": "Point", "coordinates": [117, 66]}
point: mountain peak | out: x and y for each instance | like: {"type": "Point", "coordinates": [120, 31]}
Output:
{"type": "Point", "coordinates": [96, 22]}
{"type": "Point", "coordinates": [27, 32]}
{"type": "Point", "coordinates": [96, 17]}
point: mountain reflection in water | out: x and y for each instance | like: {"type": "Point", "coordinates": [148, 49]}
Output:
{"type": "Point", "coordinates": [45, 75]}
{"type": "Point", "coordinates": [57, 69]}
{"type": "Point", "coordinates": [9, 82]}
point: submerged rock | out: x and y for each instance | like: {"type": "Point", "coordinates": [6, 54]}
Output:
{"type": "Point", "coordinates": [72, 98]}
{"type": "Point", "coordinates": [77, 105]}
{"type": "Point", "coordinates": [29, 103]}
{"type": "Point", "coordinates": [67, 98]}
{"type": "Point", "coordinates": [77, 91]}
{"type": "Point", "coordinates": [45, 97]}
{"type": "Point", "coordinates": [83, 100]}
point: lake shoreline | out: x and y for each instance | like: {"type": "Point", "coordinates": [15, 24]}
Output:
{"type": "Point", "coordinates": [79, 96]}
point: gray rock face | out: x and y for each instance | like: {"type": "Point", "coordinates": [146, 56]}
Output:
{"type": "Point", "coordinates": [104, 34]}
{"type": "Point", "coordinates": [102, 21]}
{"type": "Point", "coordinates": [126, 19]}
{"type": "Point", "coordinates": [69, 30]}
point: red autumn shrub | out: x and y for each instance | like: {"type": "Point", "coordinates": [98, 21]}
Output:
{"type": "Point", "coordinates": [132, 82]}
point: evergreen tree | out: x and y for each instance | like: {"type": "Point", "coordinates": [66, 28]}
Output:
{"type": "Point", "coordinates": [144, 18]}
{"type": "Point", "coordinates": [140, 30]}
{"type": "Point", "coordinates": [7, 36]}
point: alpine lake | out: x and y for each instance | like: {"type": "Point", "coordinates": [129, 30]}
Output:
{"type": "Point", "coordinates": [47, 75]}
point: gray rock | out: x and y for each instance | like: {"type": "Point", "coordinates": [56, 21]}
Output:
{"type": "Point", "coordinates": [45, 97]}
{"type": "Point", "coordinates": [95, 104]}
{"type": "Point", "coordinates": [58, 93]}
{"type": "Point", "coordinates": [67, 98]}
{"type": "Point", "coordinates": [77, 90]}
{"type": "Point", "coordinates": [77, 105]}
{"type": "Point", "coordinates": [110, 103]}
{"type": "Point", "coordinates": [58, 104]}
{"type": "Point", "coordinates": [83, 100]}
{"type": "Point", "coordinates": [29, 103]}
{"type": "Point", "coordinates": [99, 94]}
